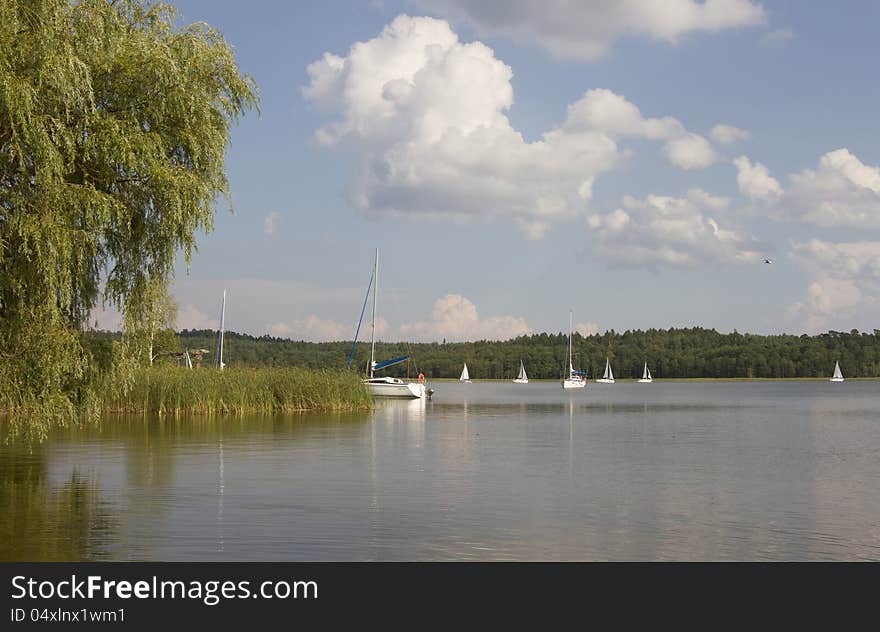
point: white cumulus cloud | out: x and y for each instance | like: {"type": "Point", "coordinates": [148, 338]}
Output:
{"type": "Point", "coordinates": [671, 231]}
{"type": "Point", "coordinates": [845, 281]}
{"type": "Point", "coordinates": [841, 192]}
{"type": "Point", "coordinates": [586, 30]}
{"type": "Point", "coordinates": [191, 317]}
{"type": "Point", "coordinates": [615, 115]}
{"type": "Point", "coordinates": [315, 329]}
{"type": "Point", "coordinates": [828, 301]}
{"type": "Point", "coordinates": [601, 110]}
{"type": "Point", "coordinates": [755, 181]}
{"type": "Point", "coordinates": [853, 260]}
{"type": "Point", "coordinates": [455, 318]}
{"type": "Point", "coordinates": [690, 151]}
{"type": "Point", "coordinates": [728, 134]}
{"type": "Point", "coordinates": [426, 115]}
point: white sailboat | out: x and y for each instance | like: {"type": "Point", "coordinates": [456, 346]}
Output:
{"type": "Point", "coordinates": [387, 386]}
{"type": "Point", "coordinates": [646, 375]}
{"type": "Point", "coordinates": [465, 376]}
{"type": "Point", "coordinates": [608, 376]}
{"type": "Point", "coordinates": [838, 376]}
{"type": "Point", "coordinates": [522, 378]}
{"type": "Point", "coordinates": [575, 379]}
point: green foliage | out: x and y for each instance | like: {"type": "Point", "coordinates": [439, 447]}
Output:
{"type": "Point", "coordinates": [113, 132]}
{"type": "Point", "coordinates": [670, 353]}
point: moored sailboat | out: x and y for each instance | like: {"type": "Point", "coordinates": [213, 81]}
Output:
{"type": "Point", "coordinates": [608, 376]}
{"type": "Point", "coordinates": [838, 375]}
{"type": "Point", "coordinates": [465, 376]}
{"type": "Point", "coordinates": [575, 379]}
{"type": "Point", "coordinates": [646, 375]}
{"type": "Point", "coordinates": [386, 386]}
{"type": "Point", "coordinates": [522, 378]}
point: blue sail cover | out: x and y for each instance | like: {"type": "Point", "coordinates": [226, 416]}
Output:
{"type": "Point", "coordinates": [387, 363]}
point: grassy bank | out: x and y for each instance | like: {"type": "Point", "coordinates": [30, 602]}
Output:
{"type": "Point", "coordinates": [174, 391]}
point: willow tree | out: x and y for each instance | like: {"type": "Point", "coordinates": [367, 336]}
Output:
{"type": "Point", "coordinates": [114, 126]}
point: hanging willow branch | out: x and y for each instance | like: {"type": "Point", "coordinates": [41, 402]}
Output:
{"type": "Point", "coordinates": [114, 127]}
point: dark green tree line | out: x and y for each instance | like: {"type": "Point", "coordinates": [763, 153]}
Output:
{"type": "Point", "coordinates": [670, 353]}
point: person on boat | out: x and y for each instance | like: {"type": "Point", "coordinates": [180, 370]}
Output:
{"type": "Point", "coordinates": [421, 378]}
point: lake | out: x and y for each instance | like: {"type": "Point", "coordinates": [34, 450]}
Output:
{"type": "Point", "coordinates": [781, 470]}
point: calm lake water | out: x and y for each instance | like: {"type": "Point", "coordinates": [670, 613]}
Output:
{"type": "Point", "coordinates": [485, 471]}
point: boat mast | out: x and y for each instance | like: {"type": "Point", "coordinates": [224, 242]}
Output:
{"type": "Point", "coordinates": [373, 324]}
{"type": "Point", "coordinates": [220, 338]}
{"type": "Point", "coordinates": [570, 365]}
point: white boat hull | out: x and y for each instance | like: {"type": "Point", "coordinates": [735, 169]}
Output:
{"type": "Point", "coordinates": [603, 380]}
{"type": "Point", "coordinates": [645, 381]}
{"type": "Point", "coordinates": [520, 381]}
{"type": "Point", "coordinates": [836, 379]}
{"type": "Point", "coordinates": [394, 387]}
{"type": "Point", "coordinates": [574, 383]}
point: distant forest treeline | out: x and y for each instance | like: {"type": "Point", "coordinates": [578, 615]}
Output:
{"type": "Point", "coordinates": [670, 353]}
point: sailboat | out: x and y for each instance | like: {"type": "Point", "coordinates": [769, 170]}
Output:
{"type": "Point", "coordinates": [522, 378]}
{"type": "Point", "coordinates": [646, 375]}
{"type": "Point", "coordinates": [218, 356]}
{"type": "Point", "coordinates": [465, 376]}
{"type": "Point", "coordinates": [608, 376]}
{"type": "Point", "coordinates": [385, 386]}
{"type": "Point", "coordinates": [838, 376]}
{"type": "Point", "coordinates": [575, 379]}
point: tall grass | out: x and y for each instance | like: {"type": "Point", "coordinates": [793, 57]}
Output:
{"type": "Point", "coordinates": [173, 390]}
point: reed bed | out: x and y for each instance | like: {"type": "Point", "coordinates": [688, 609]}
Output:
{"type": "Point", "coordinates": [174, 391]}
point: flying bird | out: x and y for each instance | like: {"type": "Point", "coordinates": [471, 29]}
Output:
{"type": "Point", "coordinates": [768, 260]}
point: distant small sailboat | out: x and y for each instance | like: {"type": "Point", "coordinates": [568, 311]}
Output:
{"type": "Point", "coordinates": [838, 376]}
{"type": "Point", "coordinates": [465, 376]}
{"type": "Point", "coordinates": [522, 378]}
{"type": "Point", "coordinates": [646, 375]}
{"type": "Point", "coordinates": [608, 376]}
{"type": "Point", "coordinates": [575, 379]}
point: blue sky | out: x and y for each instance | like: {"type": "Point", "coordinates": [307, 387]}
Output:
{"type": "Point", "coordinates": [513, 164]}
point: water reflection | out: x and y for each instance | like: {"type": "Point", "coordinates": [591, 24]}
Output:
{"type": "Point", "coordinates": [220, 488]}
{"type": "Point", "coordinates": [49, 521]}
{"type": "Point", "coordinates": [411, 411]}
{"type": "Point", "coordinates": [681, 471]}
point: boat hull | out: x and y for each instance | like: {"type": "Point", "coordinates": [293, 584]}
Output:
{"type": "Point", "coordinates": [574, 383]}
{"type": "Point", "coordinates": [836, 379]}
{"type": "Point", "coordinates": [603, 380]}
{"type": "Point", "coordinates": [520, 381]}
{"type": "Point", "coordinates": [393, 387]}
{"type": "Point", "coordinates": [645, 381]}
